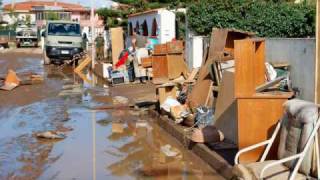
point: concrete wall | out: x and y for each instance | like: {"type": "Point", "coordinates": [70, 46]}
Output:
{"type": "Point", "coordinates": [300, 54]}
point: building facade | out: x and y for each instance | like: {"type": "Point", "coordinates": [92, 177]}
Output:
{"type": "Point", "coordinates": [158, 23]}
{"type": "Point", "coordinates": [38, 12]}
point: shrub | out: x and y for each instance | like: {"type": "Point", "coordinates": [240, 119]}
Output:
{"type": "Point", "coordinates": [267, 19]}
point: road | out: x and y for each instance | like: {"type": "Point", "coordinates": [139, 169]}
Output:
{"type": "Point", "coordinates": [111, 144]}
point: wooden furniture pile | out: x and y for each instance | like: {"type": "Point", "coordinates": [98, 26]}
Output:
{"type": "Point", "coordinates": [250, 115]}
{"type": "Point", "coordinates": [229, 81]}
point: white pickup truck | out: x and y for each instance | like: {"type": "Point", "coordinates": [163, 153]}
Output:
{"type": "Point", "coordinates": [26, 35]}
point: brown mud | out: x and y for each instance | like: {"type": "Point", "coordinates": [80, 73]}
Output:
{"type": "Point", "coordinates": [111, 144]}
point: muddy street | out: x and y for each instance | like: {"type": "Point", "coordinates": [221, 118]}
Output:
{"type": "Point", "coordinates": [99, 144]}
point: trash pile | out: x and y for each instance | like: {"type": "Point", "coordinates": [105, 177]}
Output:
{"type": "Point", "coordinates": [223, 100]}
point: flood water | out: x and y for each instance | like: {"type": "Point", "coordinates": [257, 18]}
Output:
{"type": "Point", "coordinates": [110, 144]}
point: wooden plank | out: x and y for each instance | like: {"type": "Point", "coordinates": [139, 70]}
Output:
{"type": "Point", "coordinates": [269, 84]}
{"type": "Point", "coordinates": [193, 74]}
{"type": "Point", "coordinates": [160, 49]}
{"type": "Point", "coordinates": [83, 64]}
{"type": "Point", "coordinates": [225, 117]}
{"type": "Point", "coordinates": [175, 47]}
{"type": "Point", "coordinates": [256, 121]}
{"type": "Point", "coordinates": [249, 66]}
{"type": "Point", "coordinates": [117, 43]}
{"type": "Point", "coordinates": [146, 62]}
{"type": "Point", "coordinates": [217, 43]}
{"type": "Point", "coordinates": [259, 70]}
{"type": "Point", "coordinates": [176, 66]}
{"type": "Point", "coordinates": [244, 68]}
{"type": "Point", "coordinates": [160, 67]}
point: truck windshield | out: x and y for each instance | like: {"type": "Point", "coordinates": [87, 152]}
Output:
{"type": "Point", "coordinates": [64, 29]}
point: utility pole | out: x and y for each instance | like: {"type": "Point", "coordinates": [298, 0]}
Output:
{"type": "Point", "coordinates": [317, 63]}
{"type": "Point", "coordinates": [93, 33]}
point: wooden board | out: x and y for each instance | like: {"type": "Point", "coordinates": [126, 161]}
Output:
{"type": "Point", "coordinates": [165, 92]}
{"type": "Point", "coordinates": [176, 66]}
{"type": "Point", "coordinates": [256, 121]}
{"type": "Point", "coordinates": [217, 45]}
{"type": "Point", "coordinates": [225, 117]}
{"type": "Point", "coordinates": [249, 66]}
{"type": "Point", "coordinates": [146, 62]}
{"type": "Point", "coordinates": [160, 49]}
{"type": "Point", "coordinates": [160, 67]}
{"type": "Point", "coordinates": [83, 64]}
{"type": "Point", "coordinates": [117, 43]}
{"type": "Point", "coordinates": [175, 47]}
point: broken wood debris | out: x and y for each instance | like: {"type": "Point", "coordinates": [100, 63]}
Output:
{"type": "Point", "coordinates": [50, 135]}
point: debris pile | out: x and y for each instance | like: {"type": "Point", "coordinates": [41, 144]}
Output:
{"type": "Point", "coordinates": [12, 80]}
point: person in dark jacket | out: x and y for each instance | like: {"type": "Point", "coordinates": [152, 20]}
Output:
{"type": "Point", "coordinates": [100, 47]}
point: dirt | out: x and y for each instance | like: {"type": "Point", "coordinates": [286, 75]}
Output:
{"type": "Point", "coordinates": [111, 144]}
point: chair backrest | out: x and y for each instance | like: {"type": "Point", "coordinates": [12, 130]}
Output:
{"type": "Point", "coordinates": [297, 125]}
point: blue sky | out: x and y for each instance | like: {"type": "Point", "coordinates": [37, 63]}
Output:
{"type": "Point", "coordinates": [99, 3]}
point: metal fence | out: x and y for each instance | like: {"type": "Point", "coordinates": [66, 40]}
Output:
{"type": "Point", "coordinates": [8, 34]}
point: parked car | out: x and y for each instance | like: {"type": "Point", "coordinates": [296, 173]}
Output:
{"type": "Point", "coordinates": [62, 40]}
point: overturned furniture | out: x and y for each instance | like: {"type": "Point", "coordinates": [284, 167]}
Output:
{"type": "Point", "coordinates": [298, 150]}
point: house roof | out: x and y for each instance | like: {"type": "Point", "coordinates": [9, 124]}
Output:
{"type": "Point", "coordinates": [152, 11]}
{"type": "Point", "coordinates": [29, 5]}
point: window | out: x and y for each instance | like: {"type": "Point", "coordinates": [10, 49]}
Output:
{"type": "Point", "coordinates": [64, 29]}
{"type": "Point", "coordinates": [130, 29]}
{"type": "Point", "coordinates": [145, 28]}
{"type": "Point", "coordinates": [154, 27]}
{"type": "Point", "coordinates": [137, 28]}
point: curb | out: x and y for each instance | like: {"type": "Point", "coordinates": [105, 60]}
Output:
{"type": "Point", "coordinates": [207, 155]}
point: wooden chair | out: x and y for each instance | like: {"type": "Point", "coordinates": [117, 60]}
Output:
{"type": "Point", "coordinates": [298, 147]}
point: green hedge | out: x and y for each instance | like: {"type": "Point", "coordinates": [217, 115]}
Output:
{"type": "Point", "coordinates": [267, 19]}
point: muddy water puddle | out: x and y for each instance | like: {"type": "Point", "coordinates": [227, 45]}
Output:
{"type": "Point", "coordinates": [111, 144]}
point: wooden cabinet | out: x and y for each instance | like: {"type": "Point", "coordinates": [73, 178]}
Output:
{"type": "Point", "coordinates": [256, 113]}
{"type": "Point", "coordinates": [168, 67]}
{"type": "Point", "coordinates": [256, 118]}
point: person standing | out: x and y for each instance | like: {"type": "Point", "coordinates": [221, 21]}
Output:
{"type": "Point", "coordinates": [100, 47]}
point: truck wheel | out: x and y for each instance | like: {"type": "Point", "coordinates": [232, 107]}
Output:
{"type": "Point", "coordinates": [46, 60]}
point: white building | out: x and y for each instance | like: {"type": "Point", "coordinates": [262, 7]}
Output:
{"type": "Point", "coordinates": [157, 23]}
